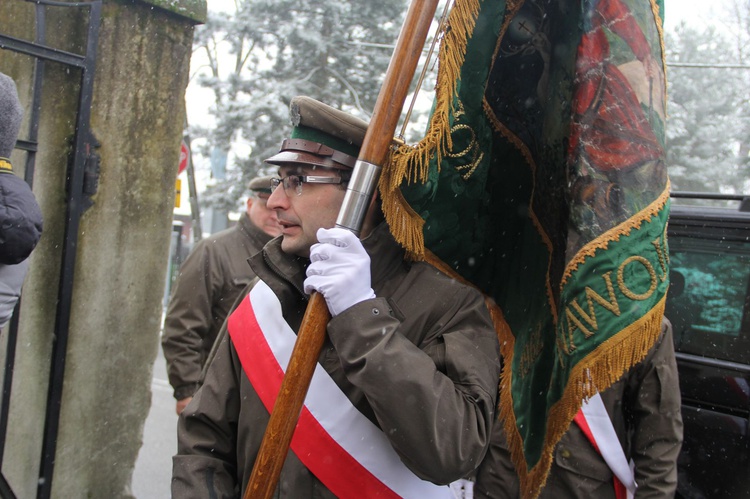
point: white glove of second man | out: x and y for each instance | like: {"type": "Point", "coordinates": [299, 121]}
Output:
{"type": "Point", "coordinates": [339, 270]}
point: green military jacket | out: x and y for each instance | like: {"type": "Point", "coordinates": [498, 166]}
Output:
{"type": "Point", "coordinates": [425, 370]}
{"type": "Point", "coordinates": [210, 281]}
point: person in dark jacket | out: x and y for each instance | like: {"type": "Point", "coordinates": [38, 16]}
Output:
{"type": "Point", "coordinates": [20, 216]}
{"type": "Point", "coordinates": [644, 410]}
{"type": "Point", "coordinates": [406, 383]}
{"type": "Point", "coordinates": [211, 279]}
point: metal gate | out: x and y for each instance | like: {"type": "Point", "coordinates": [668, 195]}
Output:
{"type": "Point", "coordinates": [82, 177]}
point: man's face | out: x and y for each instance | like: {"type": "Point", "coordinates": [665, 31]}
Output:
{"type": "Point", "coordinates": [302, 215]}
{"type": "Point", "coordinates": [261, 216]}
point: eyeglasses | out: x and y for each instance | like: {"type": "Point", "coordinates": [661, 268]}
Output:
{"type": "Point", "coordinates": [295, 182]}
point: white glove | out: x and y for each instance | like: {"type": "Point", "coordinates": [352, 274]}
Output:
{"type": "Point", "coordinates": [339, 270]}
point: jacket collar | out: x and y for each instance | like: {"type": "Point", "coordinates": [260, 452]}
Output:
{"type": "Point", "coordinates": [252, 232]}
{"type": "Point", "coordinates": [385, 253]}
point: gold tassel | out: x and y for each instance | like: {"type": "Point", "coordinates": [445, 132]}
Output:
{"type": "Point", "coordinates": [411, 163]}
{"type": "Point", "coordinates": [404, 223]}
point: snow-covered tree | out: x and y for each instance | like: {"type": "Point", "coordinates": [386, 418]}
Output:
{"type": "Point", "coordinates": [708, 127]}
{"type": "Point", "coordinates": [336, 52]}
{"type": "Point", "coordinates": [738, 23]}
{"type": "Point", "coordinates": [703, 112]}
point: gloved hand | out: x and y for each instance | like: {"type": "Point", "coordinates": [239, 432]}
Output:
{"type": "Point", "coordinates": [339, 270]}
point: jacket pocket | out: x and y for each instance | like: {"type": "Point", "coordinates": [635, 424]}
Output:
{"type": "Point", "coordinates": [576, 456]}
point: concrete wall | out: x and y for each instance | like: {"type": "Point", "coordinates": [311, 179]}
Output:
{"type": "Point", "coordinates": [137, 116]}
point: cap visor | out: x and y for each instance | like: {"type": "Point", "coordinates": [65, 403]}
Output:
{"type": "Point", "coordinates": [304, 159]}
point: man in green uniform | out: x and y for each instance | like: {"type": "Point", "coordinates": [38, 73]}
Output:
{"type": "Point", "coordinates": [406, 383]}
{"type": "Point", "coordinates": [211, 279]}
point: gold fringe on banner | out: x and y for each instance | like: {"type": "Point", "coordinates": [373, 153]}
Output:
{"type": "Point", "coordinates": [602, 368]}
{"type": "Point", "coordinates": [411, 163]}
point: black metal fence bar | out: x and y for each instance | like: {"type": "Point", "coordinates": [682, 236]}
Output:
{"type": "Point", "coordinates": [26, 145]}
{"type": "Point", "coordinates": [42, 52]}
{"type": "Point", "coordinates": [30, 146]}
{"type": "Point", "coordinates": [74, 208]}
{"type": "Point", "coordinates": [10, 362]}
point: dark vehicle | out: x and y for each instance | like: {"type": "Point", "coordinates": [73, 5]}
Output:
{"type": "Point", "coordinates": [709, 306]}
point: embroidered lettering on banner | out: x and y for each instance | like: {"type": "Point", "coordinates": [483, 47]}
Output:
{"type": "Point", "coordinates": [472, 150]}
{"type": "Point", "coordinates": [628, 286]}
{"type": "Point", "coordinates": [624, 289]}
{"type": "Point", "coordinates": [660, 243]}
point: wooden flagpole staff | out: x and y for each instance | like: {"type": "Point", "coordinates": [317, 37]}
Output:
{"type": "Point", "coordinates": [361, 188]}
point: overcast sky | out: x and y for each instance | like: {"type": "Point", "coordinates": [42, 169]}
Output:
{"type": "Point", "coordinates": [691, 10]}
{"type": "Point", "coordinates": [696, 12]}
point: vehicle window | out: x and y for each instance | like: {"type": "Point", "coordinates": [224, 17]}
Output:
{"type": "Point", "coordinates": [708, 296]}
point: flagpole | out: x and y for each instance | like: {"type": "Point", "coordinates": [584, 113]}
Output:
{"type": "Point", "coordinates": [359, 194]}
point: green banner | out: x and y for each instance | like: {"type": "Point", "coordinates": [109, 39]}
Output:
{"type": "Point", "coordinates": [541, 180]}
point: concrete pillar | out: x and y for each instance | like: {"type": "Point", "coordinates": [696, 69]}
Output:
{"type": "Point", "coordinates": [138, 111]}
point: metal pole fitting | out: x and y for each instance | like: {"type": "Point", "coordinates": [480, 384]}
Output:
{"type": "Point", "coordinates": [358, 195]}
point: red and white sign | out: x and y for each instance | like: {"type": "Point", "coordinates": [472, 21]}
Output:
{"type": "Point", "coordinates": [184, 157]}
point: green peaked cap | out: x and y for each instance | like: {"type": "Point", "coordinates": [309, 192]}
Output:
{"type": "Point", "coordinates": [321, 136]}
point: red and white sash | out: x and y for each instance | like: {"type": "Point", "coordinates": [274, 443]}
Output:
{"type": "Point", "coordinates": [339, 445]}
{"type": "Point", "coordinates": [596, 424]}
